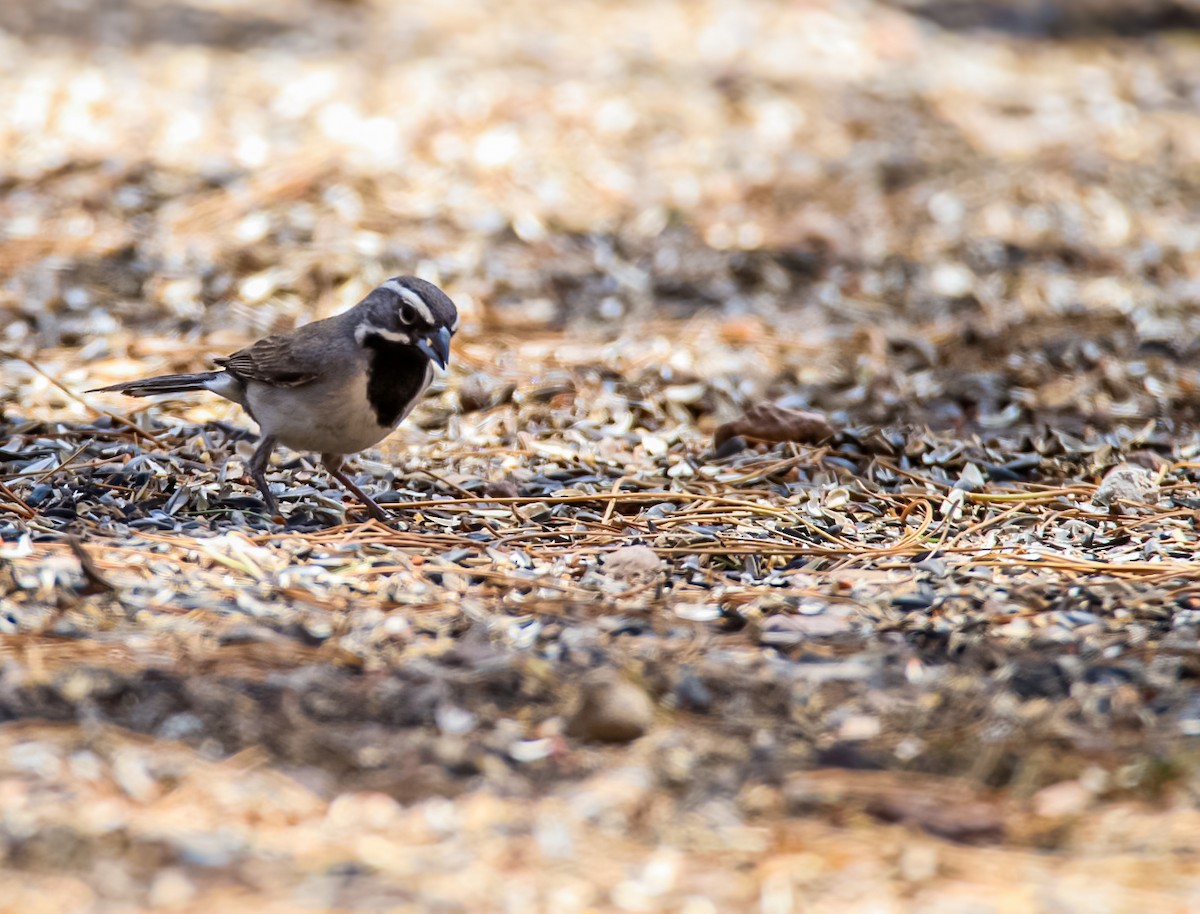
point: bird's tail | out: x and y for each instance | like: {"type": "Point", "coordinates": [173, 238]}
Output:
{"type": "Point", "coordinates": [163, 384]}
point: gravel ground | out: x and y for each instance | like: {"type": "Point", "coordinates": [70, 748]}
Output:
{"type": "Point", "coordinates": [807, 521]}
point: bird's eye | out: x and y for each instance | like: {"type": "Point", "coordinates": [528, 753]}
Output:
{"type": "Point", "coordinates": [408, 314]}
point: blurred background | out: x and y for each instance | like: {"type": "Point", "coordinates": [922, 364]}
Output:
{"type": "Point", "coordinates": [980, 217]}
{"type": "Point", "coordinates": [911, 179]}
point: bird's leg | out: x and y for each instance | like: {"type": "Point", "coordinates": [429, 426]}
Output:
{"type": "Point", "coordinates": [333, 463]}
{"type": "Point", "coordinates": [258, 472]}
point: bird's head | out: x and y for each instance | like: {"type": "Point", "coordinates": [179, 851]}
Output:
{"type": "Point", "coordinates": [409, 312]}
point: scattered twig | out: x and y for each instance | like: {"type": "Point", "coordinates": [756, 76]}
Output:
{"type": "Point", "coordinates": [121, 420]}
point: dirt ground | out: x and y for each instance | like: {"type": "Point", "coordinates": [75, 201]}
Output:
{"type": "Point", "coordinates": [933, 646]}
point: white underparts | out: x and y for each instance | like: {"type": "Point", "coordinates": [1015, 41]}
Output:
{"type": "Point", "coordinates": [366, 329]}
{"type": "Point", "coordinates": [227, 386]}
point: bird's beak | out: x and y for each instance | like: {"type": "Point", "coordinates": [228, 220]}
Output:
{"type": "Point", "coordinates": [437, 347]}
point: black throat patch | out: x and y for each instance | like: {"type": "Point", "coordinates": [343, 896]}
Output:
{"type": "Point", "coordinates": [394, 378]}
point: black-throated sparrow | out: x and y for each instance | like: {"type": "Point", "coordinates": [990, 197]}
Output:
{"type": "Point", "coordinates": [335, 386]}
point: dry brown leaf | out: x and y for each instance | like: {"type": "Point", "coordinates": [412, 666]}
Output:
{"type": "Point", "coordinates": [770, 422]}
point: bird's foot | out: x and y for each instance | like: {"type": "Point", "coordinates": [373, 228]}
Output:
{"type": "Point", "coordinates": [334, 466]}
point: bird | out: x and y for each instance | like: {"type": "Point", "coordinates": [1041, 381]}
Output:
{"type": "Point", "coordinates": [335, 386]}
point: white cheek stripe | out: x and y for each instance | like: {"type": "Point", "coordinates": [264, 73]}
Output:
{"type": "Point", "coordinates": [412, 298]}
{"type": "Point", "coordinates": [366, 329]}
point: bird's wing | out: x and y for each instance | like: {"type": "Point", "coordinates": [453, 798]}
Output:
{"type": "Point", "coordinates": [275, 360]}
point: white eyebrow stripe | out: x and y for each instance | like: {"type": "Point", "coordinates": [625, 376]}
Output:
{"type": "Point", "coordinates": [454, 326]}
{"type": "Point", "coordinates": [412, 298]}
{"type": "Point", "coordinates": [366, 329]}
